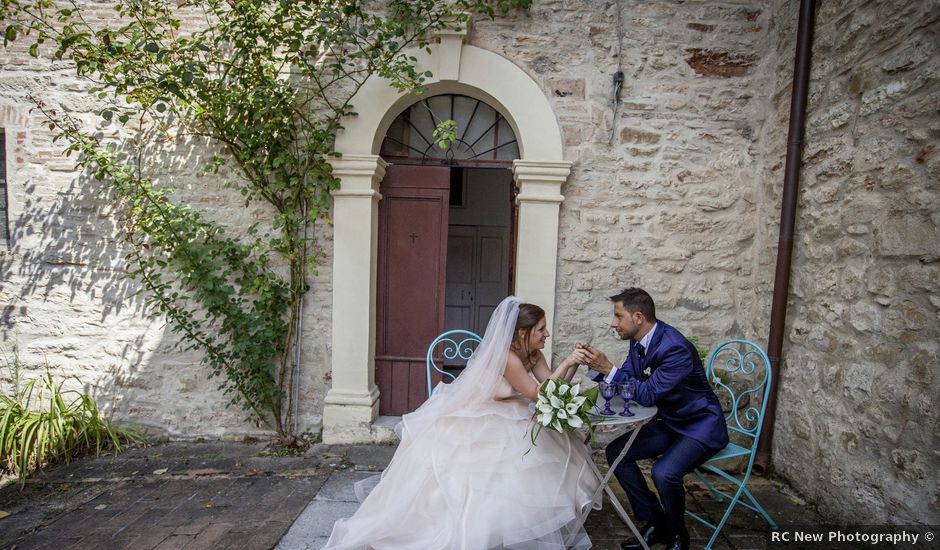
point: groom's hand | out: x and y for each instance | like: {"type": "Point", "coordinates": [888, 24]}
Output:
{"type": "Point", "coordinates": [578, 356]}
{"type": "Point", "coordinates": [597, 360]}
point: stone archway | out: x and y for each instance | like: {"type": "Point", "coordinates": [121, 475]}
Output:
{"type": "Point", "coordinates": [351, 405]}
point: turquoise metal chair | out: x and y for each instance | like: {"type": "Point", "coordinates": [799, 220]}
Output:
{"type": "Point", "coordinates": [453, 345]}
{"type": "Point", "coordinates": [740, 374]}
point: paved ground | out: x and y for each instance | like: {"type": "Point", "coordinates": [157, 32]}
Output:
{"type": "Point", "coordinates": [229, 495]}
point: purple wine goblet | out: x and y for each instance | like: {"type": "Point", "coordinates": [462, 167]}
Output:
{"type": "Point", "coordinates": [608, 391]}
{"type": "Point", "coordinates": [626, 391]}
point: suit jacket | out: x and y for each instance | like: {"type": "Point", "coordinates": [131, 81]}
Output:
{"type": "Point", "coordinates": [677, 386]}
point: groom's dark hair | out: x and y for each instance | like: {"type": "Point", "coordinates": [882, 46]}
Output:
{"type": "Point", "coordinates": [637, 299]}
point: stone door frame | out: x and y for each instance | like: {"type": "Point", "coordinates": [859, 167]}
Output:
{"type": "Point", "coordinates": [351, 405]}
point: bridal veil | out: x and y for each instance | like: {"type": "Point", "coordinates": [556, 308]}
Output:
{"type": "Point", "coordinates": [466, 475]}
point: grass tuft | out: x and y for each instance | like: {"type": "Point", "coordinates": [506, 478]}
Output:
{"type": "Point", "coordinates": [42, 423]}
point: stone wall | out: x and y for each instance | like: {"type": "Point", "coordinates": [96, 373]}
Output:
{"type": "Point", "coordinates": [64, 301]}
{"type": "Point", "coordinates": [664, 187]}
{"type": "Point", "coordinates": [857, 425]}
{"type": "Point", "coordinates": [679, 192]}
{"type": "Point", "coordinates": [676, 189]}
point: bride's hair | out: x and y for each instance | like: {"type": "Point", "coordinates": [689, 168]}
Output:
{"type": "Point", "coordinates": [529, 316]}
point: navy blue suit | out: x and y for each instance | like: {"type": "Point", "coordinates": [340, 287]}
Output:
{"type": "Point", "coordinates": [688, 430]}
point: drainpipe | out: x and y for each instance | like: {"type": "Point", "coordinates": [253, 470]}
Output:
{"type": "Point", "coordinates": [295, 371]}
{"type": "Point", "coordinates": [791, 187]}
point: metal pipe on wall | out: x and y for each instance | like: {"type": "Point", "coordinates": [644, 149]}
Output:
{"type": "Point", "coordinates": [791, 187]}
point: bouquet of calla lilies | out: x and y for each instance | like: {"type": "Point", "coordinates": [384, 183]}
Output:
{"type": "Point", "coordinates": [562, 407]}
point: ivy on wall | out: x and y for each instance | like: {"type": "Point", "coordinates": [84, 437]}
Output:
{"type": "Point", "coordinates": [266, 84]}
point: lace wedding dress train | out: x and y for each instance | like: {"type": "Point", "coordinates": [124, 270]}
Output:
{"type": "Point", "coordinates": [473, 482]}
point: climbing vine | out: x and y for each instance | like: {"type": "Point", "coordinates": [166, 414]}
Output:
{"type": "Point", "coordinates": [264, 86]}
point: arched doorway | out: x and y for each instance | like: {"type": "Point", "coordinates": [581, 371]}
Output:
{"type": "Point", "coordinates": [351, 405]}
{"type": "Point", "coordinates": [446, 224]}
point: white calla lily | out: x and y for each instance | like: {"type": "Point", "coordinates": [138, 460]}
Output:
{"type": "Point", "coordinates": [559, 405]}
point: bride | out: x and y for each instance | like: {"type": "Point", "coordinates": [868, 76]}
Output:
{"type": "Point", "coordinates": [462, 478]}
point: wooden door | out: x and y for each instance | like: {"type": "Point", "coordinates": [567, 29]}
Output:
{"type": "Point", "coordinates": [411, 277]}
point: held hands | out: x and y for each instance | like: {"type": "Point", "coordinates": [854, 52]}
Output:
{"type": "Point", "coordinates": [592, 357]}
{"type": "Point", "coordinates": [575, 358]}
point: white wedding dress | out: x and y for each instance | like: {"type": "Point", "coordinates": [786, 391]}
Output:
{"type": "Point", "coordinates": [467, 477]}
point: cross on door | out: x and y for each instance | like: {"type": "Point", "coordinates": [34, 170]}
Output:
{"type": "Point", "coordinates": [413, 237]}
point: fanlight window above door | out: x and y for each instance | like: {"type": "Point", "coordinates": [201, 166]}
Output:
{"type": "Point", "coordinates": [483, 134]}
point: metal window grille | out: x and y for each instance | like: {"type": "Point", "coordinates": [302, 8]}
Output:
{"type": "Point", "coordinates": [483, 133]}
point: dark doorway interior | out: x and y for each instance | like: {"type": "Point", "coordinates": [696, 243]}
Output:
{"type": "Point", "coordinates": [479, 249]}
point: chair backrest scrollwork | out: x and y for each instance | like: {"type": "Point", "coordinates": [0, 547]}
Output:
{"type": "Point", "coordinates": [453, 345]}
{"type": "Point", "coordinates": [739, 371]}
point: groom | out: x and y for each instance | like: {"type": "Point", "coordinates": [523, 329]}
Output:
{"type": "Point", "coordinates": [689, 427]}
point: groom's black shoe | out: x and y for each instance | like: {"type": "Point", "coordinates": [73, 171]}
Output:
{"type": "Point", "coordinates": [680, 542]}
{"type": "Point", "coordinates": [651, 533]}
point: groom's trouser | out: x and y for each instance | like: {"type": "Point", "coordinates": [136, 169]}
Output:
{"type": "Point", "coordinates": [678, 455]}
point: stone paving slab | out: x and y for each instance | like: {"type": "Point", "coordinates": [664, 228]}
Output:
{"type": "Point", "coordinates": [744, 530]}
{"type": "Point", "coordinates": [220, 495]}
{"type": "Point", "coordinates": [193, 495]}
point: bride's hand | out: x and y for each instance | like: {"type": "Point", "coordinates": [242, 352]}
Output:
{"type": "Point", "coordinates": [578, 356]}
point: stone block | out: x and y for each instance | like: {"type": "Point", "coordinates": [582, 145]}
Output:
{"type": "Point", "coordinates": [211, 535]}
{"type": "Point", "coordinates": [908, 236]}
{"type": "Point", "coordinates": [574, 136]}
{"type": "Point", "coordinates": [700, 27]}
{"type": "Point", "coordinates": [718, 63]}
{"type": "Point", "coordinates": [915, 52]}
{"type": "Point", "coordinates": [566, 87]}
{"type": "Point", "coordinates": [920, 276]}
{"type": "Point", "coordinates": [339, 487]}
{"type": "Point", "coordinates": [879, 98]}
{"type": "Point", "coordinates": [316, 521]}
{"type": "Point", "coordinates": [908, 464]}
{"type": "Point", "coordinates": [638, 136]}
{"type": "Point", "coordinates": [542, 64]}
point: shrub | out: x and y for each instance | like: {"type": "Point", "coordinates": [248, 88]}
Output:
{"type": "Point", "coordinates": [65, 424]}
